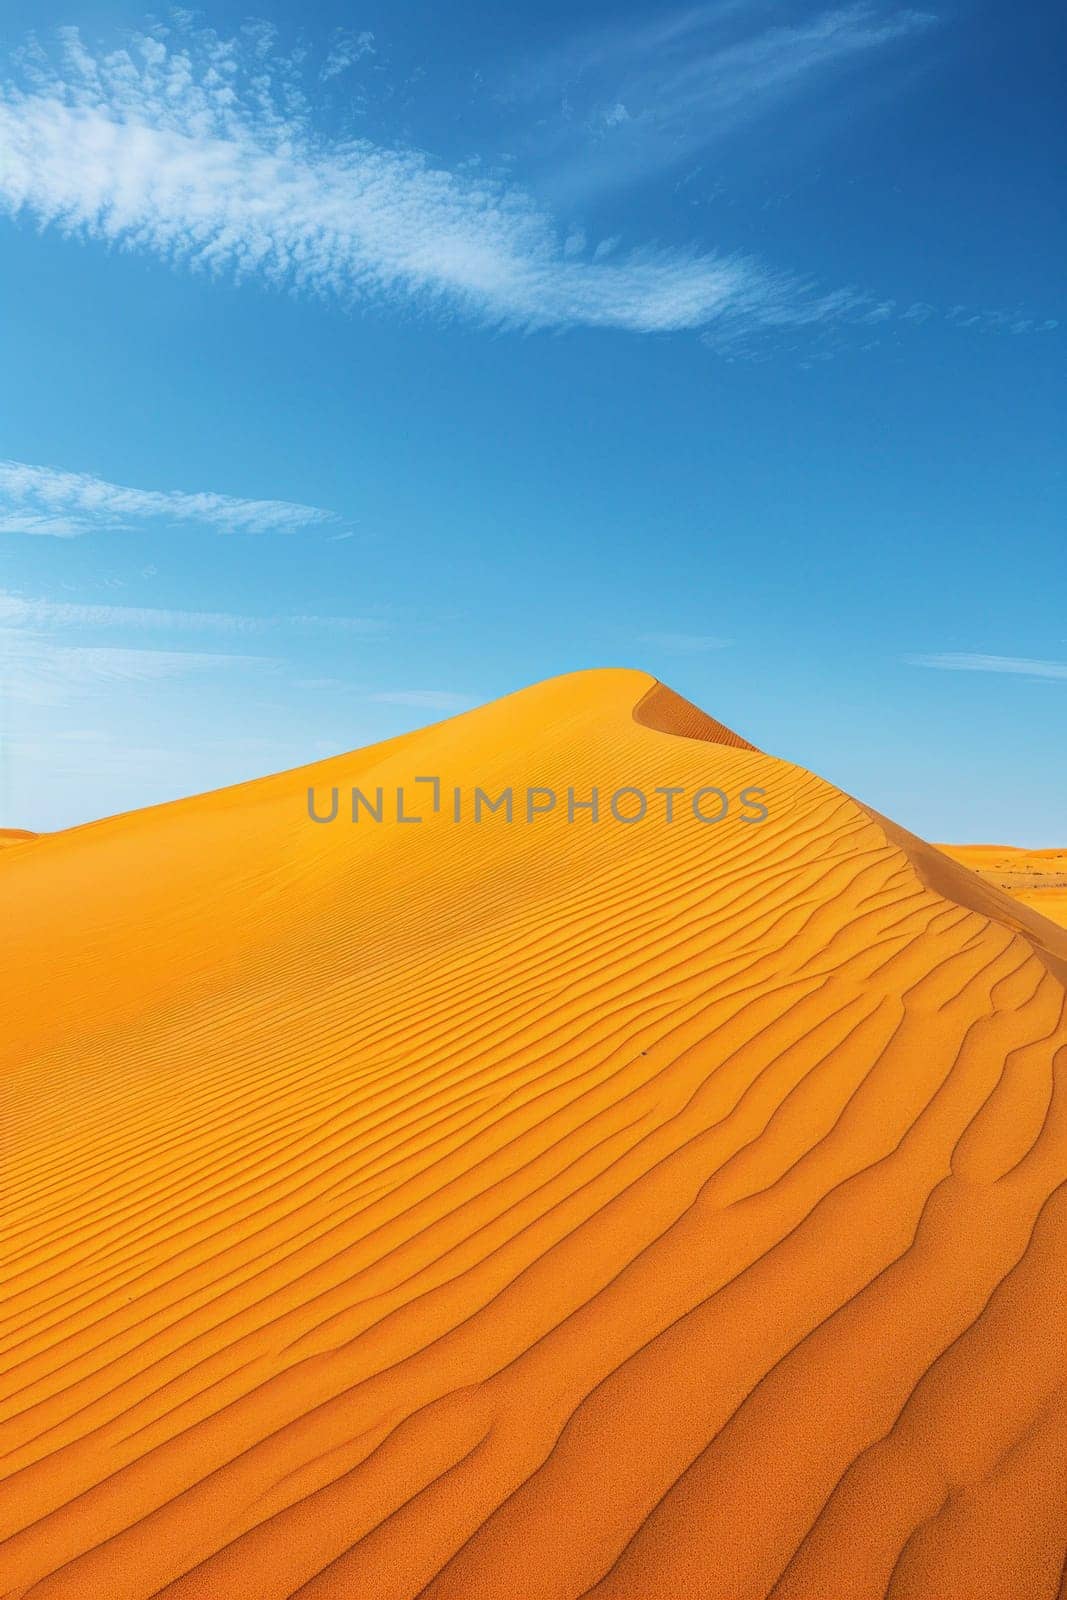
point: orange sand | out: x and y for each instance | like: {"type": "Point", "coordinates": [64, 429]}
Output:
{"type": "Point", "coordinates": [530, 1211]}
{"type": "Point", "coordinates": [1036, 878]}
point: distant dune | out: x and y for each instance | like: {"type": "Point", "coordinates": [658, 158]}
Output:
{"type": "Point", "coordinates": [530, 1210]}
{"type": "Point", "coordinates": [1036, 878]}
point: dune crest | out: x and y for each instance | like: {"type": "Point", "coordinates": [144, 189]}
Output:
{"type": "Point", "coordinates": [529, 1210]}
{"type": "Point", "coordinates": [661, 708]}
{"type": "Point", "coordinates": [948, 875]}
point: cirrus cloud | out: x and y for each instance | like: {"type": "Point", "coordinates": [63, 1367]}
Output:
{"type": "Point", "coordinates": [963, 661]}
{"type": "Point", "coordinates": [48, 500]}
{"type": "Point", "coordinates": [204, 150]}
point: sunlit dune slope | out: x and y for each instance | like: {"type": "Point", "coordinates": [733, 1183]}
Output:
{"type": "Point", "coordinates": [1036, 878]}
{"type": "Point", "coordinates": [505, 1211]}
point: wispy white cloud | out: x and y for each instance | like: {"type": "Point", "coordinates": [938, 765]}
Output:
{"type": "Point", "coordinates": [303, 619]}
{"type": "Point", "coordinates": [48, 500]}
{"type": "Point", "coordinates": [37, 671]}
{"type": "Point", "coordinates": [203, 150]}
{"type": "Point", "coordinates": [685, 643]}
{"type": "Point", "coordinates": [346, 49]}
{"type": "Point", "coordinates": [961, 661]}
{"type": "Point", "coordinates": [17, 611]}
{"type": "Point", "coordinates": [423, 699]}
{"type": "Point", "coordinates": [645, 95]}
{"type": "Point", "coordinates": [998, 321]}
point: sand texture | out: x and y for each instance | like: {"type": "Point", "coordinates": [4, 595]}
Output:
{"type": "Point", "coordinates": [530, 1211]}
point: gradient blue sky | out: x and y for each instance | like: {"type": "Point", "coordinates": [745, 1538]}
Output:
{"type": "Point", "coordinates": [360, 372]}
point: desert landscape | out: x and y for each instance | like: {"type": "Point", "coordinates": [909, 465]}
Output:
{"type": "Point", "coordinates": [533, 1210]}
{"type": "Point", "coordinates": [1036, 878]}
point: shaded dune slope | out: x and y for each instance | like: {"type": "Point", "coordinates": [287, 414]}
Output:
{"type": "Point", "coordinates": [661, 708]}
{"type": "Point", "coordinates": [530, 1211]}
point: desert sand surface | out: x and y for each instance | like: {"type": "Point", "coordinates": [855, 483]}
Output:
{"type": "Point", "coordinates": [530, 1211]}
{"type": "Point", "coordinates": [1036, 878]}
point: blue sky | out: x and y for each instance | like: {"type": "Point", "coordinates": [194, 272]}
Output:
{"type": "Point", "coordinates": [360, 372]}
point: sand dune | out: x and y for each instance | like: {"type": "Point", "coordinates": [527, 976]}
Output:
{"type": "Point", "coordinates": [530, 1210]}
{"type": "Point", "coordinates": [1036, 878]}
